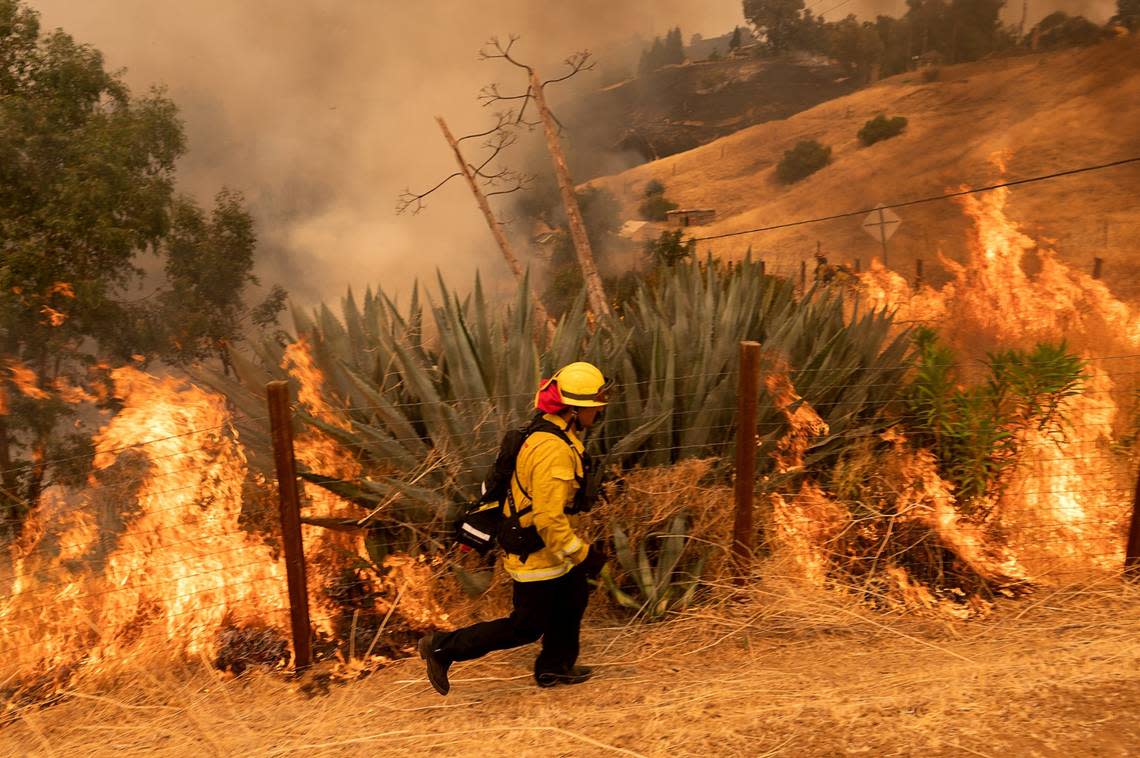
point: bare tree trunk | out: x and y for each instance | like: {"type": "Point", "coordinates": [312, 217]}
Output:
{"type": "Point", "coordinates": [497, 229]}
{"type": "Point", "coordinates": [595, 292]}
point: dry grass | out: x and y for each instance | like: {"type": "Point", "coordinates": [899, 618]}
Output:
{"type": "Point", "coordinates": [776, 669]}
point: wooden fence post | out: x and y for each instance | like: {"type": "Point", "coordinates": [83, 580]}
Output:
{"type": "Point", "coordinates": [281, 423]}
{"type": "Point", "coordinates": [803, 277]}
{"type": "Point", "coordinates": [745, 472]}
{"type": "Point", "coordinates": [858, 265]}
{"type": "Point", "coordinates": [917, 273]}
{"type": "Point", "coordinates": [1098, 266]}
{"type": "Point", "coordinates": [1132, 551]}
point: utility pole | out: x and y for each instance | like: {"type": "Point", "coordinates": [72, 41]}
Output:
{"type": "Point", "coordinates": [595, 292]}
{"type": "Point", "coordinates": [496, 228]}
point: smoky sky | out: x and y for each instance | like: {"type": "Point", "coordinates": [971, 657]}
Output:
{"type": "Point", "coordinates": [321, 112]}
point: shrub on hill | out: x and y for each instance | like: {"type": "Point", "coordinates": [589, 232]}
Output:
{"type": "Point", "coordinates": [655, 205]}
{"type": "Point", "coordinates": [807, 157]}
{"type": "Point", "coordinates": [670, 249]}
{"type": "Point", "coordinates": [880, 128]}
{"type": "Point", "coordinates": [1060, 30]}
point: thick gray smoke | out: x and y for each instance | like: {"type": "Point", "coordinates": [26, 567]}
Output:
{"type": "Point", "coordinates": [321, 112]}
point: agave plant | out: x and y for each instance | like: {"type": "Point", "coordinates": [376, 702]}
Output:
{"type": "Point", "coordinates": [843, 360]}
{"type": "Point", "coordinates": [655, 585]}
{"type": "Point", "coordinates": [422, 406]}
{"type": "Point", "coordinates": [422, 400]}
{"type": "Point", "coordinates": [681, 347]}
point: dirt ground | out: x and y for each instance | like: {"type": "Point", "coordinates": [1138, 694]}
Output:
{"type": "Point", "coordinates": [782, 671]}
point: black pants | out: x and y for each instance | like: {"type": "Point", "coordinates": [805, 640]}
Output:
{"type": "Point", "coordinates": [550, 609]}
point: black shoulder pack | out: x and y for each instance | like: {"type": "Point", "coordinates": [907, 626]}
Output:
{"type": "Point", "coordinates": [483, 523]}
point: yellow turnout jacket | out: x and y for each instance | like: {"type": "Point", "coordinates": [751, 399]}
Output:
{"type": "Point", "coordinates": [548, 469]}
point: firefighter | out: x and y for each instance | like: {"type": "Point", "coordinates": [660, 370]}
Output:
{"type": "Point", "coordinates": [551, 587]}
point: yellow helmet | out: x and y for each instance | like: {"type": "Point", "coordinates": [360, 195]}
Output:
{"type": "Point", "coordinates": [580, 384]}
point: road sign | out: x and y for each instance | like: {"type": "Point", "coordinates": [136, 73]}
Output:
{"type": "Point", "coordinates": [881, 224]}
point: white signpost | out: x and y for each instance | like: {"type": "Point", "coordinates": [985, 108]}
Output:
{"type": "Point", "coordinates": [881, 224]}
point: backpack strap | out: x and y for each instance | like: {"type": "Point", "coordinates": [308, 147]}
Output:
{"type": "Point", "coordinates": [539, 424]}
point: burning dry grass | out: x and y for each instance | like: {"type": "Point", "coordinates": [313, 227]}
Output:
{"type": "Point", "coordinates": [777, 668]}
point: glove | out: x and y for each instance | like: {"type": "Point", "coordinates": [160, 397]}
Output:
{"type": "Point", "coordinates": [595, 559]}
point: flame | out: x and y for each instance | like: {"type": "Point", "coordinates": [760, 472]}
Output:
{"type": "Point", "coordinates": [806, 523]}
{"type": "Point", "coordinates": [63, 289]}
{"type": "Point", "coordinates": [92, 580]}
{"type": "Point", "coordinates": [54, 317]}
{"type": "Point", "coordinates": [70, 393]}
{"type": "Point", "coordinates": [803, 422]}
{"type": "Point", "coordinates": [335, 552]}
{"type": "Point", "coordinates": [25, 380]}
{"type": "Point", "coordinates": [1063, 513]}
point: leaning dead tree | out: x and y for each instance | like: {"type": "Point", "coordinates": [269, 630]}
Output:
{"type": "Point", "coordinates": [499, 181]}
{"type": "Point", "coordinates": [504, 181]}
{"type": "Point", "coordinates": [536, 93]}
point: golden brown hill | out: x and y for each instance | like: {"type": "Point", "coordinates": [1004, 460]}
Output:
{"type": "Point", "coordinates": [1043, 113]}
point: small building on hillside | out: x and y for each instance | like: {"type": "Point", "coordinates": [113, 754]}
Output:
{"type": "Point", "coordinates": [690, 217]}
{"type": "Point", "coordinates": [640, 231]}
{"type": "Point", "coordinates": [929, 59]}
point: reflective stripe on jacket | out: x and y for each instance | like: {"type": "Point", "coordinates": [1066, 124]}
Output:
{"type": "Point", "coordinates": [548, 469]}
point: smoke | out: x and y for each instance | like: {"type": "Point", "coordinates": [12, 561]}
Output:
{"type": "Point", "coordinates": [322, 113]}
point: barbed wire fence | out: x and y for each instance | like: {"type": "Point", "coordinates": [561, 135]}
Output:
{"type": "Point", "coordinates": [194, 570]}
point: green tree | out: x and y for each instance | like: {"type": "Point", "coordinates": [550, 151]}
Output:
{"type": "Point", "coordinates": [856, 45]}
{"type": "Point", "coordinates": [86, 188]}
{"type": "Point", "coordinates": [1059, 29]}
{"type": "Point", "coordinates": [975, 29]}
{"type": "Point", "coordinates": [774, 20]}
{"type": "Point", "coordinates": [655, 206]}
{"type": "Point", "coordinates": [928, 20]}
{"type": "Point", "coordinates": [734, 43]}
{"type": "Point", "coordinates": [674, 47]}
{"type": "Point", "coordinates": [1127, 14]}
{"type": "Point", "coordinates": [601, 213]}
{"type": "Point", "coordinates": [897, 37]}
{"type": "Point", "coordinates": [208, 267]}
{"type": "Point", "coordinates": [670, 249]}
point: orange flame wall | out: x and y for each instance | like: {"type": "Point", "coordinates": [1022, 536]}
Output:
{"type": "Point", "coordinates": [151, 556]}
{"type": "Point", "coordinates": [1065, 512]}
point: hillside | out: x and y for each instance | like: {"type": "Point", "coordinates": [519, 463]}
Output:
{"type": "Point", "coordinates": [680, 107]}
{"type": "Point", "coordinates": [1043, 113]}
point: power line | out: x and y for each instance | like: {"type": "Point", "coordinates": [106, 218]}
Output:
{"type": "Point", "coordinates": [933, 198]}
{"type": "Point", "coordinates": [821, 14]}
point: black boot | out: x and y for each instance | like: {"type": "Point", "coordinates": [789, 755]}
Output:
{"type": "Point", "coordinates": [437, 666]}
{"type": "Point", "coordinates": [571, 675]}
